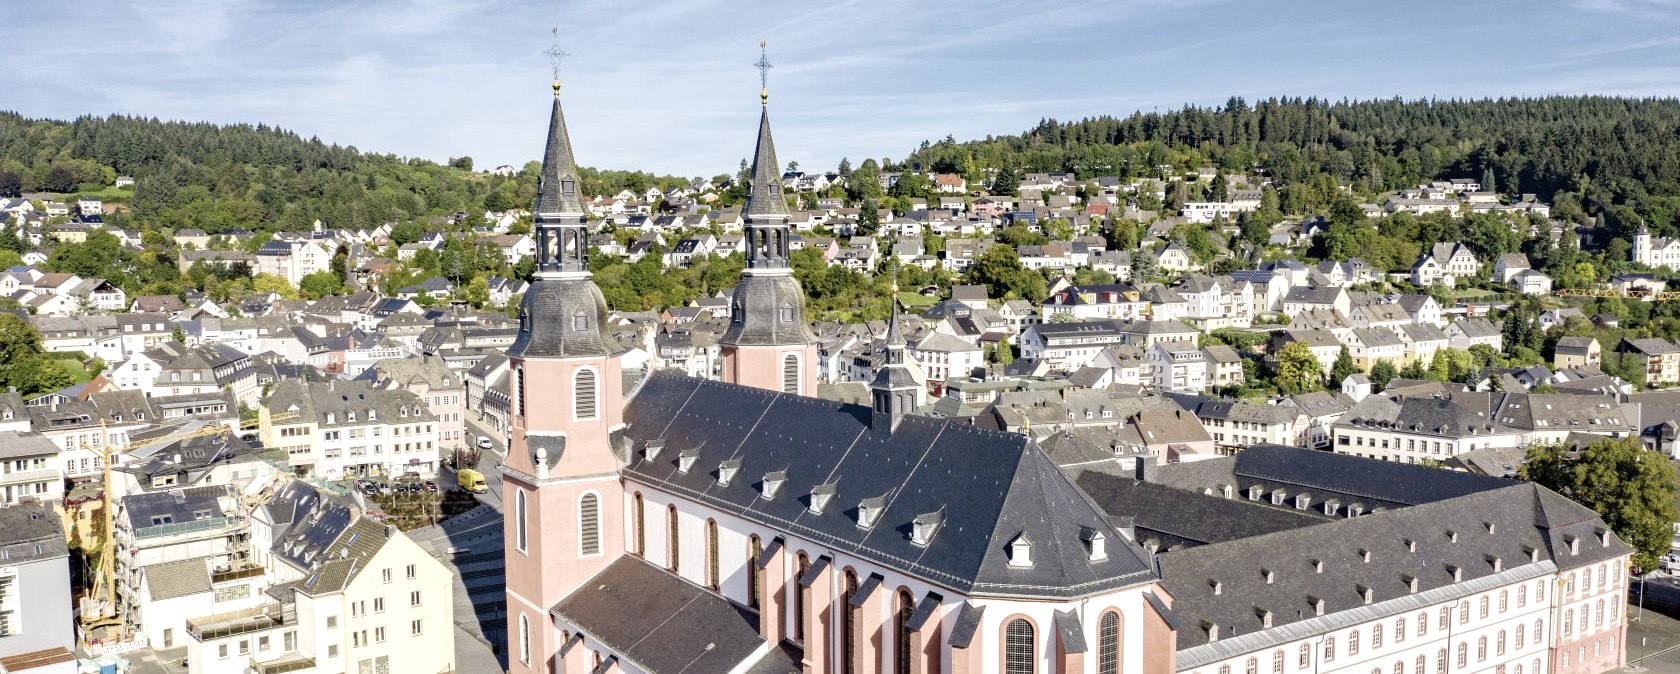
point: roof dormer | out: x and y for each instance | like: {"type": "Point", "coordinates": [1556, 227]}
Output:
{"type": "Point", "coordinates": [1020, 551]}
{"type": "Point", "coordinates": [1456, 573]}
{"type": "Point", "coordinates": [1268, 576]}
{"type": "Point", "coordinates": [653, 447]}
{"type": "Point", "coordinates": [1317, 604]}
{"type": "Point", "coordinates": [820, 496]}
{"type": "Point", "coordinates": [1411, 582]}
{"type": "Point", "coordinates": [1096, 544]}
{"type": "Point", "coordinates": [925, 526]}
{"type": "Point", "coordinates": [1532, 552]}
{"type": "Point", "coordinates": [773, 482]}
{"type": "Point", "coordinates": [1265, 617]}
{"type": "Point", "coordinates": [1495, 563]}
{"type": "Point", "coordinates": [1365, 592]}
{"type": "Point", "coordinates": [727, 470]}
{"type": "Point", "coordinates": [1217, 587]}
{"type": "Point", "coordinates": [869, 511]}
{"type": "Point", "coordinates": [686, 459]}
{"type": "Point", "coordinates": [1603, 537]}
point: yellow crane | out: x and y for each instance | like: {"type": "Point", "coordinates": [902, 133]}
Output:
{"type": "Point", "coordinates": [104, 577]}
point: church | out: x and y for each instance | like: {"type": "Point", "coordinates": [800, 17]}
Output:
{"type": "Point", "coordinates": [746, 526]}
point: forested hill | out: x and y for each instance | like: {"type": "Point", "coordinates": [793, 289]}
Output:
{"type": "Point", "coordinates": [1588, 152]}
{"type": "Point", "coordinates": [217, 177]}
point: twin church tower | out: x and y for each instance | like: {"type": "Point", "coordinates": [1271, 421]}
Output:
{"type": "Point", "coordinates": [563, 493]}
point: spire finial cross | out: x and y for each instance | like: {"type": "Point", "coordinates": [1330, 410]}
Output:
{"type": "Point", "coordinates": [764, 67]}
{"type": "Point", "coordinates": [555, 55]}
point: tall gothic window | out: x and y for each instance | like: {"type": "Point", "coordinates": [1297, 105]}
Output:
{"type": "Point", "coordinates": [1108, 643]}
{"type": "Point", "coordinates": [583, 394]}
{"type": "Point", "coordinates": [790, 374]}
{"type": "Point", "coordinates": [848, 626]}
{"type": "Point", "coordinates": [755, 550]}
{"type": "Point", "coordinates": [799, 599]}
{"type": "Point", "coordinates": [519, 517]}
{"type": "Point", "coordinates": [712, 580]}
{"type": "Point", "coordinates": [519, 390]}
{"type": "Point", "coordinates": [589, 525]}
{"type": "Point", "coordinates": [524, 639]}
{"type": "Point", "coordinates": [901, 632]}
{"type": "Point", "coordinates": [671, 543]}
{"type": "Point", "coordinates": [640, 523]}
{"type": "Point", "coordinates": [1018, 647]}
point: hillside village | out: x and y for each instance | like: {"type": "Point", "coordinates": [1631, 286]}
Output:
{"type": "Point", "coordinates": [307, 382]}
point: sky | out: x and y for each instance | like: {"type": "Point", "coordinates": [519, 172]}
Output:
{"type": "Point", "coordinates": [668, 86]}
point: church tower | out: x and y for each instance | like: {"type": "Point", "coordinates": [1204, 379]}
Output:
{"type": "Point", "coordinates": [768, 344]}
{"type": "Point", "coordinates": [895, 391]}
{"type": "Point", "coordinates": [561, 494]}
{"type": "Point", "coordinates": [1642, 250]}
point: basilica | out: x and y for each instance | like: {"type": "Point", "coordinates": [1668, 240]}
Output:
{"type": "Point", "coordinates": [686, 525]}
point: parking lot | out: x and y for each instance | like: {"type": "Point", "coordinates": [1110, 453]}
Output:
{"type": "Point", "coordinates": [412, 503]}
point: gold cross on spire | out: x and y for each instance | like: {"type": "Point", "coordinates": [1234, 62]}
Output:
{"type": "Point", "coordinates": [764, 67]}
{"type": "Point", "coordinates": [555, 55]}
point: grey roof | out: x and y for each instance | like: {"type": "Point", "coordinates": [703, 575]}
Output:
{"type": "Point", "coordinates": [1505, 522]}
{"type": "Point", "coordinates": [558, 167]}
{"type": "Point", "coordinates": [550, 317]}
{"type": "Point", "coordinates": [315, 401]}
{"type": "Point", "coordinates": [31, 531]}
{"type": "Point", "coordinates": [765, 195]}
{"type": "Point", "coordinates": [662, 623]}
{"type": "Point", "coordinates": [322, 536]}
{"type": "Point", "coordinates": [756, 319]}
{"type": "Point", "coordinates": [1313, 294]}
{"type": "Point", "coordinates": [1575, 345]}
{"type": "Point", "coordinates": [1327, 475]}
{"type": "Point", "coordinates": [1172, 517]}
{"type": "Point", "coordinates": [152, 509]}
{"type": "Point", "coordinates": [1475, 327]}
{"type": "Point", "coordinates": [14, 444]}
{"type": "Point", "coordinates": [992, 486]}
{"type": "Point", "coordinates": [181, 578]}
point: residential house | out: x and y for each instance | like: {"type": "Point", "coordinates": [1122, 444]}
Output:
{"type": "Point", "coordinates": [1658, 358]}
{"type": "Point", "coordinates": [1576, 352]}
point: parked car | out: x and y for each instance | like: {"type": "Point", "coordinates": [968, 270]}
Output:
{"type": "Point", "coordinates": [484, 442]}
{"type": "Point", "coordinates": [429, 485]}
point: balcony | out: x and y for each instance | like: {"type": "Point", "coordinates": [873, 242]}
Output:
{"type": "Point", "coordinates": [245, 621]}
{"type": "Point", "coordinates": [27, 476]}
{"type": "Point", "coordinates": [292, 662]}
{"type": "Point", "coordinates": [177, 528]}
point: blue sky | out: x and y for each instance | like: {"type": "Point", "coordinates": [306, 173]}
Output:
{"type": "Point", "coordinates": [667, 86]}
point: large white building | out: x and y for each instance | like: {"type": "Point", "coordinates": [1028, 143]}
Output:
{"type": "Point", "coordinates": [336, 429]}
{"type": "Point", "coordinates": [1655, 251]}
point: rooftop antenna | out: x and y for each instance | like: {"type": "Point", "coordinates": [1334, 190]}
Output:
{"type": "Point", "coordinates": [555, 56]}
{"type": "Point", "coordinates": [764, 67]}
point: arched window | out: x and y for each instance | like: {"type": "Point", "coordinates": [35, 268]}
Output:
{"type": "Point", "coordinates": [755, 550]}
{"type": "Point", "coordinates": [1277, 661]}
{"type": "Point", "coordinates": [901, 632]}
{"type": "Point", "coordinates": [1329, 649]}
{"type": "Point", "coordinates": [583, 394]}
{"type": "Point", "coordinates": [1399, 630]}
{"type": "Point", "coordinates": [1108, 643]}
{"type": "Point", "coordinates": [1440, 661]}
{"type": "Point", "coordinates": [1539, 630]}
{"type": "Point", "coordinates": [1353, 642]}
{"type": "Point", "coordinates": [640, 524]}
{"type": "Point", "coordinates": [1418, 669]}
{"type": "Point", "coordinates": [790, 374]}
{"type": "Point", "coordinates": [1399, 667]}
{"type": "Point", "coordinates": [1499, 643]}
{"type": "Point", "coordinates": [524, 639]}
{"type": "Point", "coordinates": [589, 524]}
{"type": "Point", "coordinates": [1518, 633]}
{"type": "Point", "coordinates": [1018, 647]}
{"type": "Point", "coordinates": [519, 521]}
{"type": "Point", "coordinates": [519, 390]}
{"type": "Point", "coordinates": [799, 591]}
{"type": "Point", "coordinates": [712, 580]}
{"type": "Point", "coordinates": [848, 625]}
{"type": "Point", "coordinates": [671, 539]}
{"type": "Point", "coordinates": [1422, 623]}
{"type": "Point", "coordinates": [1481, 648]}
{"type": "Point", "coordinates": [1252, 666]}
{"type": "Point", "coordinates": [1463, 654]}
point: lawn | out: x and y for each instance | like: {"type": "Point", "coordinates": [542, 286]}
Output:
{"type": "Point", "coordinates": [916, 300]}
{"type": "Point", "coordinates": [76, 365]}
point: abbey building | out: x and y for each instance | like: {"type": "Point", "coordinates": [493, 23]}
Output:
{"type": "Point", "coordinates": [685, 525]}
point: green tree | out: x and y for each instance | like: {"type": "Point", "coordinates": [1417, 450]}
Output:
{"type": "Point", "coordinates": [1298, 370]}
{"type": "Point", "coordinates": [1343, 368]}
{"type": "Point", "coordinates": [1000, 270]}
{"type": "Point", "coordinates": [463, 163]}
{"type": "Point", "coordinates": [1633, 489]}
{"type": "Point", "coordinates": [320, 284]}
{"type": "Point", "coordinates": [1381, 373]}
{"type": "Point", "coordinates": [478, 291]}
{"type": "Point", "coordinates": [1004, 354]}
{"type": "Point", "coordinates": [269, 283]}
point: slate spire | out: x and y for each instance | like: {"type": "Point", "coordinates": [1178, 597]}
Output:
{"type": "Point", "coordinates": [894, 389]}
{"type": "Point", "coordinates": [562, 233]}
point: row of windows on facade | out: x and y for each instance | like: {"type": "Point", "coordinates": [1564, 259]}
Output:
{"type": "Point", "coordinates": [1420, 663]}
{"type": "Point", "coordinates": [1018, 639]}
{"type": "Point", "coordinates": [1353, 640]}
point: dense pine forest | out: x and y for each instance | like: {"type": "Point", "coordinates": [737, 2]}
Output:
{"type": "Point", "coordinates": [1589, 155]}
{"type": "Point", "coordinates": [260, 178]}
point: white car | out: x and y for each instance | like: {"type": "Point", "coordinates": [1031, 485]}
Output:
{"type": "Point", "coordinates": [484, 442]}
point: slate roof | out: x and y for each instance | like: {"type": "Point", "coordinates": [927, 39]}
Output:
{"type": "Point", "coordinates": [181, 578]}
{"type": "Point", "coordinates": [1507, 522]}
{"type": "Point", "coordinates": [147, 510]}
{"type": "Point", "coordinates": [14, 444]}
{"type": "Point", "coordinates": [764, 197]}
{"type": "Point", "coordinates": [992, 486]}
{"type": "Point", "coordinates": [1171, 518]}
{"type": "Point", "coordinates": [757, 315]}
{"type": "Point", "coordinates": [661, 623]}
{"type": "Point", "coordinates": [1327, 475]}
{"type": "Point", "coordinates": [31, 531]}
{"type": "Point", "coordinates": [324, 537]}
{"type": "Point", "coordinates": [549, 321]}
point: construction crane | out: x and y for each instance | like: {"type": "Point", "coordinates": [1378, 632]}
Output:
{"type": "Point", "coordinates": [104, 578]}
{"type": "Point", "coordinates": [1633, 294]}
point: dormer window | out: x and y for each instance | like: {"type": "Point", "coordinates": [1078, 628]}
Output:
{"type": "Point", "coordinates": [869, 511]}
{"type": "Point", "coordinates": [1265, 618]}
{"type": "Point", "coordinates": [1254, 493]}
{"type": "Point", "coordinates": [923, 528]}
{"type": "Point", "coordinates": [1491, 529]}
{"type": "Point", "coordinates": [1096, 544]}
{"type": "Point", "coordinates": [332, 418]}
{"type": "Point", "coordinates": [652, 448]}
{"type": "Point", "coordinates": [1318, 566]}
{"type": "Point", "coordinates": [787, 313]}
{"type": "Point", "coordinates": [1456, 573]}
{"type": "Point", "coordinates": [1218, 587]}
{"type": "Point", "coordinates": [350, 416]}
{"type": "Point", "coordinates": [373, 415]}
{"type": "Point", "coordinates": [1302, 501]}
{"type": "Point", "coordinates": [1411, 582]}
{"type": "Point", "coordinates": [686, 459]}
{"type": "Point", "coordinates": [1277, 497]}
{"type": "Point", "coordinates": [1603, 538]}
{"type": "Point", "coordinates": [773, 483]}
{"type": "Point", "coordinates": [1533, 553]}
{"type": "Point", "coordinates": [1452, 536]}
{"type": "Point", "coordinates": [1020, 551]}
{"type": "Point", "coordinates": [727, 471]}
{"type": "Point", "coordinates": [1495, 562]}
{"type": "Point", "coordinates": [1364, 555]}
{"type": "Point", "coordinates": [1268, 575]}
{"type": "Point", "coordinates": [1317, 604]}
{"type": "Point", "coordinates": [820, 496]}
{"type": "Point", "coordinates": [1213, 632]}
{"type": "Point", "coordinates": [1365, 593]}
{"type": "Point", "coordinates": [580, 322]}
{"type": "Point", "coordinates": [1574, 544]}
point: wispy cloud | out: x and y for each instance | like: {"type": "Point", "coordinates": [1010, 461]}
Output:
{"type": "Point", "coordinates": [667, 85]}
